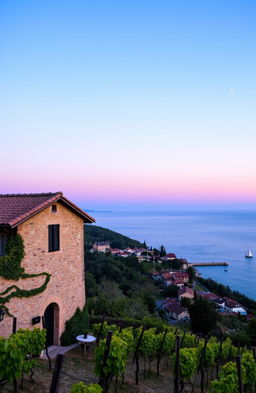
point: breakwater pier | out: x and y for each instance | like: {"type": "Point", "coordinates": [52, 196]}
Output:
{"type": "Point", "coordinates": [209, 264]}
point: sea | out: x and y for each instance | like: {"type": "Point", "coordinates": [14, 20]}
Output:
{"type": "Point", "coordinates": [205, 236]}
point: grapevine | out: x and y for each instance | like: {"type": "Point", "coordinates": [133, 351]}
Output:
{"type": "Point", "coordinates": [104, 330]}
{"type": "Point", "coordinates": [82, 388]}
{"type": "Point", "coordinates": [149, 343]}
{"type": "Point", "coordinates": [188, 362]}
{"type": "Point", "coordinates": [117, 357]}
{"type": "Point", "coordinates": [13, 352]}
{"type": "Point", "coordinates": [192, 352]}
{"type": "Point", "coordinates": [249, 365]}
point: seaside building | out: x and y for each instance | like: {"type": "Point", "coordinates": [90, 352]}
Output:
{"type": "Point", "coordinates": [169, 257]}
{"type": "Point", "coordinates": [101, 247]}
{"type": "Point", "coordinates": [175, 311]}
{"type": "Point", "coordinates": [224, 304]}
{"type": "Point", "coordinates": [186, 292]}
{"type": "Point", "coordinates": [41, 262]}
{"type": "Point", "coordinates": [175, 278]}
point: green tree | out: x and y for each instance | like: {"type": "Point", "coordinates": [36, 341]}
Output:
{"type": "Point", "coordinates": [162, 251]}
{"type": "Point", "coordinates": [240, 338]}
{"type": "Point", "coordinates": [203, 316]}
{"type": "Point", "coordinates": [171, 291]}
{"type": "Point", "coordinates": [175, 264]}
{"type": "Point", "coordinates": [185, 302]}
{"type": "Point", "coordinates": [91, 285]}
{"type": "Point", "coordinates": [191, 274]}
{"type": "Point", "coordinates": [252, 331]}
{"type": "Point", "coordinates": [156, 252]}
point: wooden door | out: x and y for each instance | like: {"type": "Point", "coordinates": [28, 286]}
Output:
{"type": "Point", "coordinates": [49, 324]}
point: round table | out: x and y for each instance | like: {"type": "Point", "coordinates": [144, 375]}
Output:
{"type": "Point", "coordinates": [88, 340]}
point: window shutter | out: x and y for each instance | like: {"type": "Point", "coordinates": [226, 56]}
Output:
{"type": "Point", "coordinates": [3, 241]}
{"type": "Point", "coordinates": [50, 237]}
{"type": "Point", "coordinates": [56, 238]}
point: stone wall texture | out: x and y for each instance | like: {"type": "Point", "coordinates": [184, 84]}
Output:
{"type": "Point", "coordinates": [66, 287]}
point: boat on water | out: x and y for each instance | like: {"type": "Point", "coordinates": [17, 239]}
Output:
{"type": "Point", "coordinates": [225, 270]}
{"type": "Point", "coordinates": [249, 254]}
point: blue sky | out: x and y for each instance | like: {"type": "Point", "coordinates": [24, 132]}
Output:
{"type": "Point", "coordinates": [129, 103]}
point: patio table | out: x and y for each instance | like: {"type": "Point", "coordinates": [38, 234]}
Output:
{"type": "Point", "coordinates": [86, 341]}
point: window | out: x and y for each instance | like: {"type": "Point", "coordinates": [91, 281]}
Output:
{"type": "Point", "coordinates": [54, 208]}
{"type": "Point", "coordinates": [3, 241]}
{"type": "Point", "coordinates": [54, 237]}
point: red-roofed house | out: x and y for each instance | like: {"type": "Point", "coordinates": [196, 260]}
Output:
{"type": "Point", "coordinates": [176, 311]}
{"type": "Point", "coordinates": [101, 247]}
{"type": "Point", "coordinates": [175, 278]}
{"type": "Point", "coordinates": [52, 229]}
{"type": "Point", "coordinates": [178, 283]}
{"type": "Point", "coordinates": [170, 256]}
{"type": "Point", "coordinates": [207, 295]}
{"type": "Point", "coordinates": [234, 306]}
{"type": "Point", "coordinates": [224, 303]}
{"type": "Point", "coordinates": [186, 292]}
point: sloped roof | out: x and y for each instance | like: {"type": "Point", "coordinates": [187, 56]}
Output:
{"type": "Point", "coordinates": [176, 308]}
{"type": "Point", "coordinates": [17, 208]}
{"type": "Point", "coordinates": [186, 290]}
{"type": "Point", "coordinates": [231, 303]}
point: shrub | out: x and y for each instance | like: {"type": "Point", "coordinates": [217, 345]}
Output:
{"type": "Point", "coordinates": [76, 325]}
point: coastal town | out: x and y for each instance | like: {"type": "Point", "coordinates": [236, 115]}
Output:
{"type": "Point", "coordinates": [174, 308]}
{"type": "Point", "coordinates": [143, 254]}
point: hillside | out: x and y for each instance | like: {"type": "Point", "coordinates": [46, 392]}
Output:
{"type": "Point", "coordinates": [94, 233]}
{"type": "Point", "coordinates": [116, 286]}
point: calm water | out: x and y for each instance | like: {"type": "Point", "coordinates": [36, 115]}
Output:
{"type": "Point", "coordinates": [198, 237]}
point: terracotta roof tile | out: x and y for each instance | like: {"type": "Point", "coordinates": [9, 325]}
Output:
{"type": "Point", "coordinates": [176, 308]}
{"type": "Point", "coordinates": [16, 208]}
{"type": "Point", "coordinates": [186, 290]}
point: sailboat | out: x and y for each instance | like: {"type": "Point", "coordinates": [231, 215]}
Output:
{"type": "Point", "coordinates": [249, 254]}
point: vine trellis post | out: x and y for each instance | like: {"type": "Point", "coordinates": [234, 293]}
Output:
{"type": "Point", "coordinates": [160, 352]}
{"type": "Point", "coordinates": [201, 365]}
{"type": "Point", "coordinates": [239, 374]}
{"type": "Point", "coordinates": [136, 355]}
{"type": "Point", "coordinates": [177, 366]}
{"type": "Point", "coordinates": [56, 374]}
{"type": "Point", "coordinates": [104, 379]}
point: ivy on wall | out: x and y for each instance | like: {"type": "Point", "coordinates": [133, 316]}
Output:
{"type": "Point", "coordinates": [10, 269]}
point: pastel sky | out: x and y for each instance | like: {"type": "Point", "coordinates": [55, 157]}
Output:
{"type": "Point", "coordinates": [129, 104]}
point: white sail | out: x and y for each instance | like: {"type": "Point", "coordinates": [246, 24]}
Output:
{"type": "Point", "coordinates": [249, 254]}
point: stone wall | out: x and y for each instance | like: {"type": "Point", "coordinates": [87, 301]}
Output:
{"type": "Point", "coordinates": [66, 287]}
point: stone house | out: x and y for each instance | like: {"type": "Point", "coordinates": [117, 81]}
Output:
{"type": "Point", "coordinates": [101, 246]}
{"type": "Point", "coordinates": [175, 278]}
{"type": "Point", "coordinates": [51, 280]}
{"type": "Point", "coordinates": [176, 311]}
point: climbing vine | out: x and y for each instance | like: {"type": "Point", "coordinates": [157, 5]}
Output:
{"type": "Point", "coordinates": [10, 269]}
{"type": "Point", "coordinates": [10, 262]}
